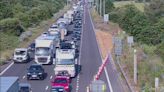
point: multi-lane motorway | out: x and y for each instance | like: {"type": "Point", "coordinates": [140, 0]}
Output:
{"type": "Point", "coordinates": [89, 60]}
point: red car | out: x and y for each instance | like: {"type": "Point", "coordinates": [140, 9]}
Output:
{"type": "Point", "coordinates": [61, 81]}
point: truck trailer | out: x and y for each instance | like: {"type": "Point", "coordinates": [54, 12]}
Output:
{"type": "Point", "coordinates": [9, 84]}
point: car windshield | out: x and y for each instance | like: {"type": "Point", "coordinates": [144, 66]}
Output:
{"type": "Point", "coordinates": [42, 51]}
{"type": "Point", "coordinates": [20, 52]}
{"type": "Point", "coordinates": [60, 80]}
{"type": "Point", "coordinates": [24, 89]}
{"type": "Point", "coordinates": [66, 46]}
{"type": "Point", "coordinates": [35, 68]}
{"type": "Point", "coordinates": [65, 61]}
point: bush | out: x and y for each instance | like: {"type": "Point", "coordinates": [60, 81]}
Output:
{"type": "Point", "coordinates": [11, 26]}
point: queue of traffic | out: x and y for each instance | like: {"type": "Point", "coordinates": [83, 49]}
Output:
{"type": "Point", "coordinates": [57, 46]}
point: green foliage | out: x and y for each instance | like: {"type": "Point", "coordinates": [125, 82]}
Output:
{"type": "Point", "coordinates": [155, 9]}
{"type": "Point", "coordinates": [109, 6]}
{"type": "Point", "coordinates": [137, 24]}
{"type": "Point", "coordinates": [11, 26]}
{"type": "Point", "coordinates": [160, 50]}
{"type": "Point", "coordinates": [8, 41]}
{"type": "Point", "coordinates": [15, 15]}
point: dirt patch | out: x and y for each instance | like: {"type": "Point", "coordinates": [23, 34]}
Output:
{"type": "Point", "coordinates": [105, 42]}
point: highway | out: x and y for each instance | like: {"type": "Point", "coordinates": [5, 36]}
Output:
{"type": "Point", "coordinates": [89, 61]}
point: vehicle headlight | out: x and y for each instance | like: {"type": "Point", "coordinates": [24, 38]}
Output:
{"type": "Point", "coordinates": [40, 73]}
{"type": "Point", "coordinates": [66, 87]}
{"type": "Point", "coordinates": [28, 73]}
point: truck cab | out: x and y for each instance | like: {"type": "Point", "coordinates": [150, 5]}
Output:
{"type": "Point", "coordinates": [65, 59]}
{"type": "Point", "coordinates": [45, 49]}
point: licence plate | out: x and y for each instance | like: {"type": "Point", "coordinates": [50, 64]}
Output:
{"type": "Point", "coordinates": [34, 75]}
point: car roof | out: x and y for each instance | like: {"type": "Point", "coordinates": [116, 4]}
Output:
{"type": "Point", "coordinates": [36, 65]}
{"type": "Point", "coordinates": [25, 49]}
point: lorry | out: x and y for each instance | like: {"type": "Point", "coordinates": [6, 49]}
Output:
{"type": "Point", "coordinates": [65, 59]}
{"type": "Point", "coordinates": [21, 55]}
{"type": "Point", "coordinates": [9, 84]}
{"type": "Point", "coordinates": [45, 48]}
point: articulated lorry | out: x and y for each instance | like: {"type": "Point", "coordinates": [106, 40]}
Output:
{"type": "Point", "coordinates": [45, 48]}
{"type": "Point", "coordinates": [65, 59]}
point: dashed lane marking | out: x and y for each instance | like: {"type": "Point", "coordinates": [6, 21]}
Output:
{"type": "Point", "coordinates": [46, 87]}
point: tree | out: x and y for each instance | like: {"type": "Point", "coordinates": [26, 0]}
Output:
{"type": "Point", "coordinates": [155, 9]}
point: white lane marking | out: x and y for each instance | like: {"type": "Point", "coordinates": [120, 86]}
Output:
{"type": "Point", "coordinates": [84, 14]}
{"type": "Point", "coordinates": [6, 68]}
{"type": "Point", "coordinates": [51, 77]}
{"type": "Point", "coordinates": [81, 42]}
{"type": "Point", "coordinates": [46, 88]}
{"type": "Point", "coordinates": [106, 73]}
{"type": "Point", "coordinates": [24, 77]}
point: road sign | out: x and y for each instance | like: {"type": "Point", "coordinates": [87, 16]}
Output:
{"type": "Point", "coordinates": [106, 17]}
{"type": "Point", "coordinates": [98, 86]}
{"type": "Point", "coordinates": [130, 40]}
{"type": "Point", "coordinates": [118, 46]}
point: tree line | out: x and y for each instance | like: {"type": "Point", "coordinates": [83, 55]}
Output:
{"type": "Point", "coordinates": [16, 15]}
{"type": "Point", "coordinates": [147, 27]}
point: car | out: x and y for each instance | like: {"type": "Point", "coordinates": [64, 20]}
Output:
{"type": "Point", "coordinates": [62, 81]}
{"type": "Point", "coordinates": [67, 45]}
{"type": "Point", "coordinates": [77, 31]}
{"type": "Point", "coordinates": [25, 87]}
{"type": "Point", "coordinates": [77, 26]}
{"type": "Point", "coordinates": [58, 89]}
{"type": "Point", "coordinates": [35, 71]}
{"type": "Point", "coordinates": [31, 47]}
{"type": "Point", "coordinates": [76, 37]}
{"type": "Point", "coordinates": [21, 55]}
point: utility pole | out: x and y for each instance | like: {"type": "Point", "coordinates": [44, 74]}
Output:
{"type": "Point", "coordinates": [104, 7]}
{"type": "Point", "coordinates": [135, 66]}
{"type": "Point", "coordinates": [156, 84]}
{"type": "Point", "coordinates": [100, 7]}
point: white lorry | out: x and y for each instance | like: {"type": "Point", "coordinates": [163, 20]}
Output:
{"type": "Point", "coordinates": [45, 48]}
{"type": "Point", "coordinates": [65, 59]}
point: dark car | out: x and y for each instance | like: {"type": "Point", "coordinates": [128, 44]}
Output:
{"type": "Point", "coordinates": [24, 87]}
{"type": "Point", "coordinates": [31, 47]}
{"type": "Point", "coordinates": [77, 26]}
{"type": "Point", "coordinates": [35, 71]}
{"type": "Point", "coordinates": [76, 37]}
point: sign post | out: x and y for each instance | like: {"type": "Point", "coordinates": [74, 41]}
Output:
{"type": "Point", "coordinates": [106, 18]}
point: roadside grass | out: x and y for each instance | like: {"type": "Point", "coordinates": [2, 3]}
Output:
{"type": "Point", "coordinates": [9, 43]}
{"type": "Point", "coordinates": [140, 6]}
{"type": "Point", "coordinates": [149, 65]}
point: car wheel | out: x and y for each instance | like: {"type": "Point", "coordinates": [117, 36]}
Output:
{"type": "Point", "coordinates": [28, 78]}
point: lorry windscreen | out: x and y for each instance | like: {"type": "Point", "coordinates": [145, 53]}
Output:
{"type": "Point", "coordinates": [65, 61]}
{"type": "Point", "coordinates": [42, 51]}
